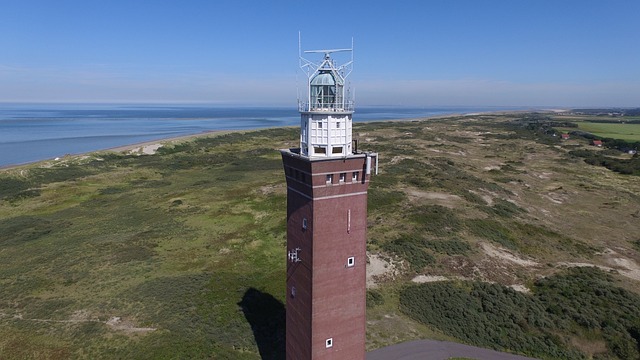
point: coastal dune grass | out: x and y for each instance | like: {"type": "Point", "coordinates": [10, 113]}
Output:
{"type": "Point", "coordinates": [168, 242]}
{"type": "Point", "coordinates": [181, 254]}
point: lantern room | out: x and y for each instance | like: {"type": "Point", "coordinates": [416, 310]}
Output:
{"type": "Point", "coordinates": [326, 115]}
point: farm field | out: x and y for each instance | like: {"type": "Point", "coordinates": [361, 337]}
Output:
{"type": "Point", "coordinates": [630, 132]}
{"type": "Point", "coordinates": [484, 220]}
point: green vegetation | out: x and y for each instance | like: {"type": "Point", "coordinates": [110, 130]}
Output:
{"type": "Point", "coordinates": [572, 302]}
{"type": "Point", "coordinates": [181, 254]}
{"type": "Point", "coordinates": [622, 131]}
{"type": "Point", "coordinates": [436, 220]}
{"type": "Point", "coordinates": [487, 315]}
{"type": "Point", "coordinates": [623, 166]}
{"type": "Point", "coordinates": [170, 242]}
{"type": "Point", "coordinates": [374, 298]}
{"type": "Point", "coordinates": [412, 250]}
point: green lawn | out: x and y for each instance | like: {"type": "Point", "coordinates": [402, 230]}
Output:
{"type": "Point", "coordinates": [630, 132]}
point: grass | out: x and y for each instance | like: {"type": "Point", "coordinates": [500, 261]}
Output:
{"type": "Point", "coordinates": [183, 240]}
{"type": "Point", "coordinates": [163, 241]}
{"type": "Point", "coordinates": [629, 132]}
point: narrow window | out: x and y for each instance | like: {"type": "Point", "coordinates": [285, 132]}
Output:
{"type": "Point", "coordinates": [355, 176]}
{"type": "Point", "coordinates": [328, 343]}
{"type": "Point", "coordinates": [293, 291]}
{"type": "Point", "coordinates": [351, 261]}
{"type": "Point", "coordinates": [304, 223]}
{"type": "Point", "coordinates": [343, 177]}
{"type": "Point", "coordinates": [329, 179]}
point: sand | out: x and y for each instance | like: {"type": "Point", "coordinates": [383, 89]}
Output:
{"type": "Point", "coordinates": [146, 148]}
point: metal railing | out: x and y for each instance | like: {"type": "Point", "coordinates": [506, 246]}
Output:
{"type": "Point", "coordinates": [347, 106]}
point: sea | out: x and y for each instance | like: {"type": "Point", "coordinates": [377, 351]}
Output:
{"type": "Point", "coordinates": [35, 132]}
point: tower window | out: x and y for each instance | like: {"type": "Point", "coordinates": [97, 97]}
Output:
{"type": "Point", "coordinates": [293, 291]}
{"type": "Point", "coordinates": [351, 262]}
{"type": "Point", "coordinates": [355, 176]}
{"type": "Point", "coordinates": [336, 150]}
{"type": "Point", "coordinates": [338, 125]}
{"type": "Point", "coordinates": [343, 177]}
{"type": "Point", "coordinates": [319, 149]}
{"type": "Point", "coordinates": [304, 223]}
{"type": "Point", "coordinates": [329, 179]}
{"type": "Point", "coordinates": [319, 125]}
{"type": "Point", "coordinates": [328, 343]}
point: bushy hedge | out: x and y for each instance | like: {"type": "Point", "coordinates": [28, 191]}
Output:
{"type": "Point", "coordinates": [622, 166]}
{"type": "Point", "coordinates": [571, 303]}
{"type": "Point", "coordinates": [588, 298]}
{"type": "Point", "coordinates": [435, 219]}
{"type": "Point", "coordinates": [487, 315]}
{"type": "Point", "coordinates": [411, 249]}
{"type": "Point", "coordinates": [374, 298]}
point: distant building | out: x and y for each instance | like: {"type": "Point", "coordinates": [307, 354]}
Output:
{"type": "Point", "coordinates": [565, 136]}
{"type": "Point", "coordinates": [597, 143]}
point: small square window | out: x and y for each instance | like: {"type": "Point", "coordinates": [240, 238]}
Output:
{"type": "Point", "coordinates": [343, 177]}
{"type": "Point", "coordinates": [328, 343]}
{"type": "Point", "coordinates": [329, 178]}
{"type": "Point", "coordinates": [355, 176]}
{"type": "Point", "coordinates": [338, 125]}
{"type": "Point", "coordinates": [304, 223]}
{"type": "Point", "coordinates": [351, 261]}
{"type": "Point", "coordinates": [319, 125]}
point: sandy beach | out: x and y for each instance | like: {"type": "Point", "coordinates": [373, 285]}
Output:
{"type": "Point", "coordinates": [149, 147]}
{"type": "Point", "coordinates": [146, 148]}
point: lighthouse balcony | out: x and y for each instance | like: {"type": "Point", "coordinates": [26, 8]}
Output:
{"type": "Point", "coordinates": [324, 107]}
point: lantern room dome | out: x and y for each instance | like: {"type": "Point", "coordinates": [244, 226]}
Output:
{"type": "Point", "coordinates": [323, 78]}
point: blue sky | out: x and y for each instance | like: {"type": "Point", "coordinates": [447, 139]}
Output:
{"type": "Point", "coordinates": [559, 53]}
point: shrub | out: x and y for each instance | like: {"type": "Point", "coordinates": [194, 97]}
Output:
{"type": "Point", "coordinates": [412, 250]}
{"type": "Point", "coordinates": [379, 198]}
{"type": "Point", "coordinates": [488, 315]}
{"type": "Point", "coordinates": [437, 220]}
{"type": "Point", "coordinates": [493, 231]}
{"type": "Point", "coordinates": [448, 247]}
{"type": "Point", "coordinates": [374, 298]}
{"type": "Point", "coordinates": [11, 186]}
{"type": "Point", "coordinates": [587, 297]}
{"type": "Point", "coordinates": [503, 208]}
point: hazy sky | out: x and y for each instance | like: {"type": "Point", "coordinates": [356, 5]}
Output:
{"type": "Point", "coordinates": [425, 52]}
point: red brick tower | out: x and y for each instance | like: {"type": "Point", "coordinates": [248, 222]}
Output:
{"type": "Point", "coordinates": [326, 223]}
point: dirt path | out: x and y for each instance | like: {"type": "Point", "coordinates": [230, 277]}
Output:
{"type": "Point", "coordinates": [438, 350]}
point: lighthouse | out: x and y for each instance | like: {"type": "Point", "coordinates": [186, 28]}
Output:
{"type": "Point", "coordinates": [327, 180]}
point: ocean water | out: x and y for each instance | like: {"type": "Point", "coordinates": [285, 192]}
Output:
{"type": "Point", "coordinates": [33, 132]}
